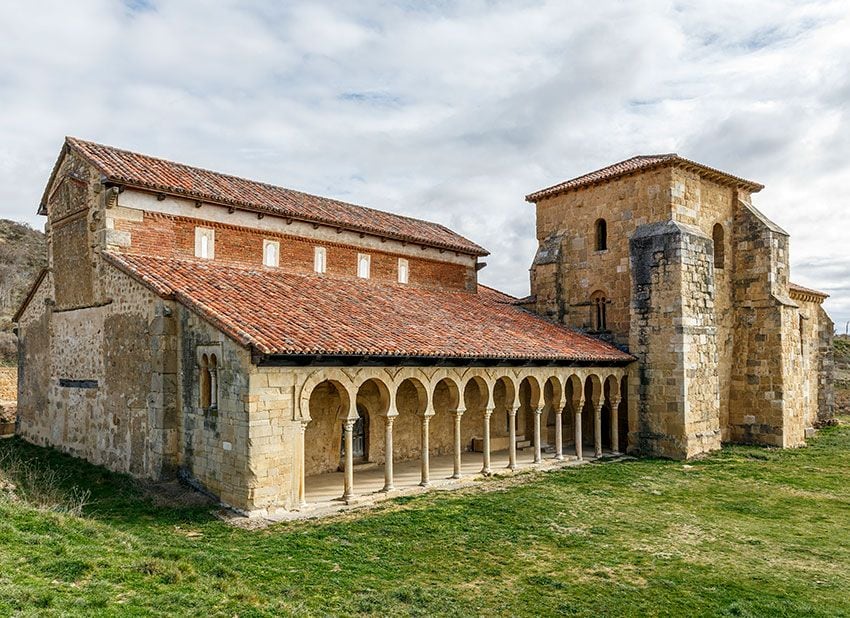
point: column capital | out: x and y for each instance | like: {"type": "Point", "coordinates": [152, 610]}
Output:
{"type": "Point", "coordinates": [458, 411]}
{"type": "Point", "coordinates": [512, 410]}
{"type": "Point", "coordinates": [538, 410]}
{"type": "Point", "coordinates": [488, 411]}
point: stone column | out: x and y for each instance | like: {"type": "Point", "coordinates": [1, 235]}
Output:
{"type": "Point", "coordinates": [348, 492]}
{"type": "Point", "coordinates": [615, 422]}
{"type": "Point", "coordinates": [302, 473]}
{"type": "Point", "coordinates": [559, 433]}
{"type": "Point", "coordinates": [425, 455]}
{"type": "Point", "coordinates": [537, 455]}
{"type": "Point", "coordinates": [458, 414]}
{"type": "Point", "coordinates": [512, 432]}
{"type": "Point", "coordinates": [579, 451]}
{"type": "Point", "coordinates": [486, 469]}
{"type": "Point", "coordinates": [388, 454]}
{"type": "Point", "coordinates": [597, 429]}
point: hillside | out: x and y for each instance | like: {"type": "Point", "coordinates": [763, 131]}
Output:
{"type": "Point", "coordinates": [23, 253]}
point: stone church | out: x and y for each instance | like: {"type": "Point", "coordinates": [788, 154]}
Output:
{"type": "Point", "coordinates": [267, 345]}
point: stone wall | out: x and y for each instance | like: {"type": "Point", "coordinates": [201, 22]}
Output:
{"type": "Point", "coordinates": [673, 334]}
{"type": "Point", "coordinates": [567, 269]}
{"type": "Point", "coordinates": [97, 382]}
{"type": "Point", "coordinates": [762, 319]}
{"type": "Point", "coordinates": [215, 442]}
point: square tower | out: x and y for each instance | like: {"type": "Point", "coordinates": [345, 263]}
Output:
{"type": "Point", "coordinates": [669, 260]}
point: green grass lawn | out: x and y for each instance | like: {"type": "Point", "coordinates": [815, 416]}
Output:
{"type": "Point", "coordinates": [746, 532]}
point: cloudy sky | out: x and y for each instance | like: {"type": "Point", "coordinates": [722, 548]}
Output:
{"type": "Point", "coordinates": [450, 111]}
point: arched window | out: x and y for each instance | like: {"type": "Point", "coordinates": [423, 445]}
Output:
{"type": "Point", "coordinates": [205, 382]}
{"type": "Point", "coordinates": [213, 371]}
{"type": "Point", "coordinates": [271, 253]}
{"type": "Point", "coordinates": [717, 235]}
{"type": "Point", "coordinates": [598, 305]}
{"type": "Point", "coordinates": [601, 235]}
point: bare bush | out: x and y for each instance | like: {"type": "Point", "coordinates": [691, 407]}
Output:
{"type": "Point", "coordinates": [39, 486]}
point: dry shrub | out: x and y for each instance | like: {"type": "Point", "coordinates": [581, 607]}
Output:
{"type": "Point", "coordinates": [38, 486]}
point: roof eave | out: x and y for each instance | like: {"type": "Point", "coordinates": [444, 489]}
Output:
{"type": "Point", "coordinates": [724, 178]}
{"type": "Point", "coordinates": [116, 180]}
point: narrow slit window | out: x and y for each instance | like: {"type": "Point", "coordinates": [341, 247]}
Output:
{"type": "Point", "coordinates": [403, 270]}
{"type": "Point", "coordinates": [719, 246]}
{"type": "Point", "coordinates": [271, 253]}
{"type": "Point", "coordinates": [601, 235]}
{"type": "Point", "coordinates": [320, 260]}
{"type": "Point", "coordinates": [599, 317]}
{"type": "Point", "coordinates": [364, 263]}
{"type": "Point", "coordinates": [204, 243]}
{"type": "Point", "coordinates": [205, 383]}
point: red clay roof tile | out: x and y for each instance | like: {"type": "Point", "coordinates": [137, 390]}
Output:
{"type": "Point", "coordinates": [638, 164]}
{"type": "Point", "coordinates": [146, 172]}
{"type": "Point", "coordinates": [279, 312]}
{"type": "Point", "coordinates": [793, 287]}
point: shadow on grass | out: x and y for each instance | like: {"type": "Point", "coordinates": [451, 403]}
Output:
{"type": "Point", "coordinates": [47, 479]}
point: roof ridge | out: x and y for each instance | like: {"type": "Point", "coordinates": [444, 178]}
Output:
{"type": "Point", "coordinates": [635, 164]}
{"type": "Point", "coordinates": [84, 148]}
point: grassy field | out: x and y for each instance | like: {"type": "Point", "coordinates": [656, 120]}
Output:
{"type": "Point", "coordinates": [747, 532]}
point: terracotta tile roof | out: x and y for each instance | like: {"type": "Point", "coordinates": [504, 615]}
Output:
{"type": "Point", "coordinates": [799, 289]}
{"type": "Point", "coordinates": [640, 163]}
{"type": "Point", "coordinates": [279, 312]}
{"type": "Point", "coordinates": [146, 172]}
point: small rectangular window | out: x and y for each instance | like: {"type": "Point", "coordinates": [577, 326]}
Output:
{"type": "Point", "coordinates": [271, 253]}
{"type": "Point", "coordinates": [204, 243]}
{"type": "Point", "coordinates": [403, 270]}
{"type": "Point", "coordinates": [364, 263]}
{"type": "Point", "coordinates": [320, 260]}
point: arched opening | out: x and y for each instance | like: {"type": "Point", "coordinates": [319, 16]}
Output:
{"type": "Point", "coordinates": [446, 399]}
{"type": "Point", "coordinates": [411, 402]}
{"type": "Point", "coordinates": [205, 383]}
{"type": "Point", "coordinates": [610, 414]}
{"type": "Point", "coordinates": [623, 416]}
{"type": "Point", "coordinates": [329, 404]}
{"type": "Point", "coordinates": [360, 439]}
{"type": "Point", "coordinates": [599, 312]}
{"type": "Point", "coordinates": [717, 235]}
{"type": "Point", "coordinates": [573, 390]}
{"type": "Point", "coordinates": [592, 395]}
{"type": "Point", "coordinates": [601, 229]}
{"type": "Point", "coordinates": [552, 401]}
{"type": "Point", "coordinates": [476, 398]}
{"type": "Point", "coordinates": [529, 399]}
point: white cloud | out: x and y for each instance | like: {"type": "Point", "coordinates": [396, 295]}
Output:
{"type": "Point", "coordinates": [450, 111]}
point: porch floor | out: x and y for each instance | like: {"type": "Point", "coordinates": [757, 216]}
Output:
{"type": "Point", "coordinates": [323, 491]}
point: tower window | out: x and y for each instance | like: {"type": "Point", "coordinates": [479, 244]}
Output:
{"type": "Point", "coordinates": [271, 253]}
{"type": "Point", "coordinates": [204, 243]}
{"type": "Point", "coordinates": [320, 260]}
{"type": "Point", "coordinates": [717, 235]}
{"type": "Point", "coordinates": [601, 235]}
{"type": "Point", "coordinates": [403, 270]}
{"type": "Point", "coordinates": [598, 304]}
